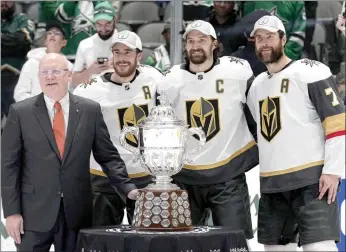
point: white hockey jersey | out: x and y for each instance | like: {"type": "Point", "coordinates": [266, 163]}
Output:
{"type": "Point", "coordinates": [124, 104]}
{"type": "Point", "coordinates": [300, 125]}
{"type": "Point", "coordinates": [214, 101]}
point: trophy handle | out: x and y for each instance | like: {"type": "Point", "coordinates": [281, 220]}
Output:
{"type": "Point", "coordinates": [202, 139]}
{"type": "Point", "coordinates": [134, 131]}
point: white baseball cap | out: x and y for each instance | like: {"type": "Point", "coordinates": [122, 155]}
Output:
{"type": "Point", "coordinates": [269, 23]}
{"type": "Point", "coordinates": [128, 38]}
{"type": "Point", "coordinates": [202, 26]}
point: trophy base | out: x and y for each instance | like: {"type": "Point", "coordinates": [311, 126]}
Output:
{"type": "Point", "coordinates": [162, 210]}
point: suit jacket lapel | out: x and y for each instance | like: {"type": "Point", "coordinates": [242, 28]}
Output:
{"type": "Point", "coordinates": [42, 116]}
{"type": "Point", "coordinates": [73, 119]}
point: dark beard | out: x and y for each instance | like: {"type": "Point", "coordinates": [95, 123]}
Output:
{"type": "Point", "coordinates": [8, 14]}
{"type": "Point", "coordinates": [106, 36]}
{"type": "Point", "coordinates": [197, 60]}
{"type": "Point", "coordinates": [275, 56]}
{"type": "Point", "coordinates": [132, 69]}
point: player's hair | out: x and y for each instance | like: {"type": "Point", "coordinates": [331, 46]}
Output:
{"type": "Point", "coordinates": [281, 34]}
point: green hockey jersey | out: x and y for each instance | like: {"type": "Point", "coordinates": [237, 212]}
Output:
{"type": "Point", "coordinates": [17, 34]}
{"type": "Point", "coordinates": [76, 17]}
{"type": "Point", "coordinates": [292, 14]}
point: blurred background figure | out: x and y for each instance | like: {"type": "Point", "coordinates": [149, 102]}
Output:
{"type": "Point", "coordinates": [340, 82]}
{"type": "Point", "coordinates": [94, 53]}
{"type": "Point", "coordinates": [160, 58]}
{"type": "Point", "coordinates": [292, 14]}
{"type": "Point", "coordinates": [311, 12]}
{"type": "Point", "coordinates": [222, 18]}
{"type": "Point", "coordinates": [17, 33]}
{"type": "Point", "coordinates": [76, 18]}
{"type": "Point", "coordinates": [244, 28]}
{"type": "Point", "coordinates": [341, 24]}
{"type": "Point", "coordinates": [28, 84]}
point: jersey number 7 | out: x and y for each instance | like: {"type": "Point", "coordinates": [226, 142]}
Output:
{"type": "Point", "coordinates": [330, 91]}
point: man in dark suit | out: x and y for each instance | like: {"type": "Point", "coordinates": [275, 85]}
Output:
{"type": "Point", "coordinates": [46, 147]}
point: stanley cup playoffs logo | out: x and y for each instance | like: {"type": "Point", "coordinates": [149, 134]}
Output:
{"type": "Point", "coordinates": [270, 117]}
{"type": "Point", "coordinates": [204, 113]}
{"type": "Point", "coordinates": [132, 116]}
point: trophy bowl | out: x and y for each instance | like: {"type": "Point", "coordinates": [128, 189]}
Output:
{"type": "Point", "coordinates": [162, 153]}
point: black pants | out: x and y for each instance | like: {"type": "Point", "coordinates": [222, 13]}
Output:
{"type": "Point", "coordinates": [229, 203]}
{"type": "Point", "coordinates": [108, 209]}
{"type": "Point", "coordinates": [281, 216]}
{"type": "Point", "coordinates": [64, 239]}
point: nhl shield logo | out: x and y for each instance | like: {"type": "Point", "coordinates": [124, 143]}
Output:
{"type": "Point", "coordinates": [132, 116]}
{"type": "Point", "coordinates": [263, 21]}
{"type": "Point", "coordinates": [123, 34]}
{"type": "Point", "coordinates": [204, 113]}
{"type": "Point", "coordinates": [196, 24]}
{"type": "Point", "coordinates": [270, 117]}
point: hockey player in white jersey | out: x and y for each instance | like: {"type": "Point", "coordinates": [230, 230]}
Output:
{"type": "Point", "coordinates": [126, 97]}
{"type": "Point", "coordinates": [209, 92]}
{"type": "Point", "coordinates": [301, 138]}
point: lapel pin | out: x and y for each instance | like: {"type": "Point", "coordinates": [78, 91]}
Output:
{"type": "Point", "coordinates": [77, 110]}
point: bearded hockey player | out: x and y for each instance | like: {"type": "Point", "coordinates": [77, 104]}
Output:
{"type": "Point", "coordinates": [209, 92]}
{"type": "Point", "coordinates": [301, 138]}
{"type": "Point", "coordinates": [126, 97]}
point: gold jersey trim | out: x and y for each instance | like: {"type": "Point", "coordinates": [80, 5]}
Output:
{"type": "Point", "coordinates": [334, 123]}
{"type": "Point", "coordinates": [291, 170]}
{"type": "Point", "coordinates": [222, 162]}
{"type": "Point", "coordinates": [134, 175]}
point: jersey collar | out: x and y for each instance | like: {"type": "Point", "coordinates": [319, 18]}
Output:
{"type": "Point", "coordinates": [107, 78]}
{"type": "Point", "coordinates": [185, 66]}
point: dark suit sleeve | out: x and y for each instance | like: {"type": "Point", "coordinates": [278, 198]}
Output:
{"type": "Point", "coordinates": [11, 155]}
{"type": "Point", "coordinates": [108, 157]}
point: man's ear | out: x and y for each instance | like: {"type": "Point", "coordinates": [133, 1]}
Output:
{"type": "Point", "coordinates": [139, 56]}
{"type": "Point", "coordinates": [216, 44]}
{"type": "Point", "coordinates": [64, 43]}
{"type": "Point", "coordinates": [284, 41]}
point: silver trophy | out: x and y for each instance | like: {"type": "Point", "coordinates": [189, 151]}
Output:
{"type": "Point", "coordinates": [162, 139]}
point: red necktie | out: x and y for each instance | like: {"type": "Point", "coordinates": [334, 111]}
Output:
{"type": "Point", "coordinates": [59, 128]}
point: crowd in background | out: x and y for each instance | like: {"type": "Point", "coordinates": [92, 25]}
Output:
{"type": "Point", "coordinates": [27, 29]}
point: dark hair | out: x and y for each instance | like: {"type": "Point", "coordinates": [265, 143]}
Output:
{"type": "Point", "coordinates": [216, 51]}
{"type": "Point", "coordinates": [281, 34]}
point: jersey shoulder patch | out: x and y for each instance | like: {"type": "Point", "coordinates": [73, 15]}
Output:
{"type": "Point", "coordinates": [310, 62]}
{"type": "Point", "coordinates": [240, 68]}
{"type": "Point", "coordinates": [151, 71]}
{"type": "Point", "coordinates": [312, 71]}
{"type": "Point", "coordinates": [88, 83]}
{"type": "Point", "coordinates": [236, 60]}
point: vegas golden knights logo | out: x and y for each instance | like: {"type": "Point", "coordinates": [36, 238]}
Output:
{"type": "Point", "coordinates": [204, 113]}
{"type": "Point", "coordinates": [270, 117]}
{"type": "Point", "coordinates": [132, 116]}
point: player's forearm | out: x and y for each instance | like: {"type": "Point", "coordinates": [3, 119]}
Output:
{"type": "Point", "coordinates": [80, 77]}
{"type": "Point", "coordinates": [334, 160]}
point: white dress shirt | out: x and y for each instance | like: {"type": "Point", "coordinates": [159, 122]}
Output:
{"type": "Point", "coordinates": [65, 105]}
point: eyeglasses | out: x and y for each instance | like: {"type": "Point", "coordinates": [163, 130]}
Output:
{"type": "Point", "coordinates": [54, 72]}
{"type": "Point", "coordinates": [58, 33]}
{"type": "Point", "coordinates": [108, 26]}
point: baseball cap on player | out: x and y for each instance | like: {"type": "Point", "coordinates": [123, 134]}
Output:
{"type": "Point", "coordinates": [128, 38]}
{"type": "Point", "coordinates": [269, 23]}
{"type": "Point", "coordinates": [202, 26]}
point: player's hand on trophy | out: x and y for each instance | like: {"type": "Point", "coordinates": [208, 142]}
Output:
{"type": "Point", "coordinates": [15, 227]}
{"type": "Point", "coordinates": [133, 194]}
{"type": "Point", "coordinates": [330, 183]}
